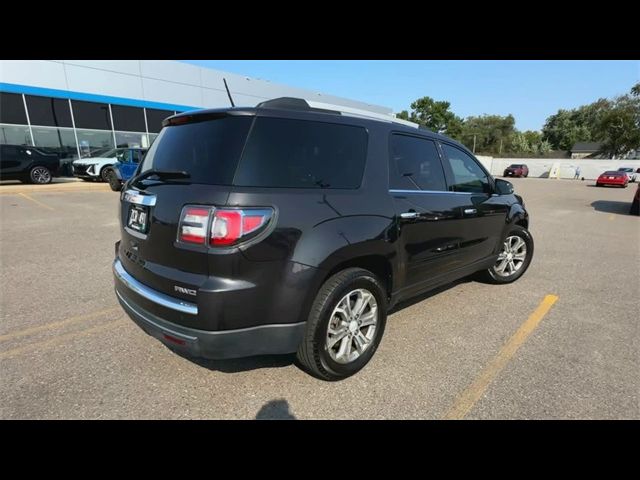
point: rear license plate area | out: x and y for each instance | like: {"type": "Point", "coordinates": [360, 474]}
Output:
{"type": "Point", "coordinates": [138, 218]}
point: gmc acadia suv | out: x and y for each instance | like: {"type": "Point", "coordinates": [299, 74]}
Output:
{"type": "Point", "coordinates": [288, 228]}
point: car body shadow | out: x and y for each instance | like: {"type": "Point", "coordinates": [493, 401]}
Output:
{"type": "Point", "coordinates": [275, 410]}
{"type": "Point", "coordinates": [609, 206]}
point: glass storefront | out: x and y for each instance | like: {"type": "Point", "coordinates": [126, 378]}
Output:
{"type": "Point", "coordinates": [99, 127]}
{"type": "Point", "coordinates": [15, 135]}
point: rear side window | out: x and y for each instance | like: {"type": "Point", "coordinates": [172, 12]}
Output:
{"type": "Point", "coordinates": [302, 154]}
{"type": "Point", "coordinates": [207, 150]}
{"type": "Point", "coordinates": [415, 164]}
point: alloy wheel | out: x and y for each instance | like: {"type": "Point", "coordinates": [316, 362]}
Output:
{"type": "Point", "coordinates": [40, 175]}
{"type": "Point", "coordinates": [352, 326]}
{"type": "Point", "coordinates": [512, 256]}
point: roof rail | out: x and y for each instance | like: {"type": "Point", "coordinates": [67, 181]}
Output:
{"type": "Point", "coordinates": [291, 103]}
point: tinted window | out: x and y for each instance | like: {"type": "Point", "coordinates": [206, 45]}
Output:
{"type": "Point", "coordinates": [47, 111]}
{"type": "Point", "coordinates": [208, 151]}
{"type": "Point", "coordinates": [303, 154]}
{"type": "Point", "coordinates": [129, 119]}
{"type": "Point", "coordinates": [415, 164]}
{"type": "Point", "coordinates": [12, 109]}
{"type": "Point", "coordinates": [155, 118]}
{"type": "Point", "coordinates": [467, 174]}
{"type": "Point", "coordinates": [91, 115]}
{"type": "Point", "coordinates": [136, 155]}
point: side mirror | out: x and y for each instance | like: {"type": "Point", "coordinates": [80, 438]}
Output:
{"type": "Point", "coordinates": [503, 187]}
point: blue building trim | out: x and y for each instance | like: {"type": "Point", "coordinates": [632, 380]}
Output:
{"type": "Point", "coordinates": [90, 97]}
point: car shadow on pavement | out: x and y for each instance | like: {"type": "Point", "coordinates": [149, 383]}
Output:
{"type": "Point", "coordinates": [275, 410]}
{"type": "Point", "coordinates": [609, 206]}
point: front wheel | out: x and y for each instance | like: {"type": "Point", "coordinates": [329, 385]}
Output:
{"type": "Point", "coordinates": [345, 325]}
{"type": "Point", "coordinates": [514, 258]}
{"type": "Point", "coordinates": [114, 182]}
{"type": "Point", "coordinates": [40, 175]}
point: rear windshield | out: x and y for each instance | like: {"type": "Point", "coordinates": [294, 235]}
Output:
{"type": "Point", "coordinates": [515, 166]}
{"type": "Point", "coordinates": [612, 173]}
{"type": "Point", "coordinates": [278, 153]}
{"type": "Point", "coordinates": [302, 154]}
{"type": "Point", "coordinates": [208, 150]}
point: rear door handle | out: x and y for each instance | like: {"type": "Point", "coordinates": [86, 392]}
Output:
{"type": "Point", "coordinates": [409, 215]}
{"type": "Point", "coordinates": [470, 211]}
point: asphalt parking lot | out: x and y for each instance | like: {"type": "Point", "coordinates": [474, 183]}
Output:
{"type": "Point", "coordinates": [470, 350]}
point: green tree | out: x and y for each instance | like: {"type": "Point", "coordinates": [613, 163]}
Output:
{"type": "Point", "coordinates": [434, 115]}
{"type": "Point", "coordinates": [635, 90]}
{"type": "Point", "coordinates": [619, 128]}
{"type": "Point", "coordinates": [520, 143]}
{"type": "Point", "coordinates": [493, 133]}
{"type": "Point", "coordinates": [404, 115]}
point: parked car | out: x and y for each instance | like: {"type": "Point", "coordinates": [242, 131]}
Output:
{"type": "Point", "coordinates": [516, 170]}
{"type": "Point", "coordinates": [613, 177]}
{"type": "Point", "coordinates": [632, 173]}
{"type": "Point", "coordinates": [294, 227]}
{"type": "Point", "coordinates": [97, 168]}
{"type": "Point", "coordinates": [123, 169]}
{"type": "Point", "coordinates": [27, 164]}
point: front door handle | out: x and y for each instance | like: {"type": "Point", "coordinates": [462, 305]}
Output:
{"type": "Point", "coordinates": [470, 211]}
{"type": "Point", "coordinates": [409, 215]}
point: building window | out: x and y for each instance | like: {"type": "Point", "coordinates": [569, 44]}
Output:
{"type": "Point", "coordinates": [47, 111]}
{"type": "Point", "coordinates": [131, 139]}
{"type": "Point", "coordinates": [15, 135]}
{"type": "Point", "coordinates": [56, 140]}
{"type": "Point", "coordinates": [128, 118]}
{"type": "Point", "coordinates": [155, 118]}
{"type": "Point", "coordinates": [91, 115]}
{"type": "Point", "coordinates": [12, 109]}
{"type": "Point", "coordinates": [93, 143]}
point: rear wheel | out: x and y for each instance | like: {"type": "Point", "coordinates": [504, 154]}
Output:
{"type": "Point", "coordinates": [345, 325]}
{"type": "Point", "coordinates": [598, 184]}
{"type": "Point", "coordinates": [104, 174]}
{"type": "Point", "coordinates": [40, 175]}
{"type": "Point", "coordinates": [514, 258]}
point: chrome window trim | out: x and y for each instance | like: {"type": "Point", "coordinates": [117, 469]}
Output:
{"type": "Point", "coordinates": [432, 191]}
{"type": "Point", "coordinates": [153, 295]}
{"type": "Point", "coordinates": [133, 196]}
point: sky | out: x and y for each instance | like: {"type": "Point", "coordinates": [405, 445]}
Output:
{"type": "Point", "coordinates": [531, 90]}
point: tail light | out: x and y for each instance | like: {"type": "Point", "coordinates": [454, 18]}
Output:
{"type": "Point", "coordinates": [221, 226]}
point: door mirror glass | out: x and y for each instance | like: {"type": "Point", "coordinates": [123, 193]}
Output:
{"type": "Point", "coordinates": [503, 187]}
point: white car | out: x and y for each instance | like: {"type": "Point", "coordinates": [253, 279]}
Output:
{"type": "Point", "coordinates": [96, 168]}
{"type": "Point", "coordinates": [632, 173]}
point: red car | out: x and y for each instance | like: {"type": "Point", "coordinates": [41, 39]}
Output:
{"type": "Point", "coordinates": [613, 177]}
{"type": "Point", "coordinates": [516, 170]}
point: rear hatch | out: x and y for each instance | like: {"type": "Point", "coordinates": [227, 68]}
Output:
{"type": "Point", "coordinates": [204, 149]}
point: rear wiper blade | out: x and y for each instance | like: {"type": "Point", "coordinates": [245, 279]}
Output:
{"type": "Point", "coordinates": [162, 174]}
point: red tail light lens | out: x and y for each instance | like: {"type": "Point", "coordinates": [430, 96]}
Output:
{"type": "Point", "coordinates": [233, 225]}
{"type": "Point", "coordinates": [193, 225]}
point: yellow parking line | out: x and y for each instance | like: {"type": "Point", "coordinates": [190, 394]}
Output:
{"type": "Point", "coordinates": [59, 339]}
{"type": "Point", "coordinates": [52, 325]}
{"type": "Point", "coordinates": [612, 217]}
{"type": "Point", "coordinates": [35, 201]}
{"type": "Point", "coordinates": [467, 399]}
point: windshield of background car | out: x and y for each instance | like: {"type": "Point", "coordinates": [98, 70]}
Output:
{"type": "Point", "coordinates": [515, 166]}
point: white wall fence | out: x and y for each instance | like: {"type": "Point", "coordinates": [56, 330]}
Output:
{"type": "Point", "coordinates": [540, 167]}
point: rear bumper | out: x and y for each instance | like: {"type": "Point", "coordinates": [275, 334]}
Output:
{"type": "Point", "coordinates": [244, 342]}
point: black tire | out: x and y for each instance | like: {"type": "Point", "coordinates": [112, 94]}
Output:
{"type": "Point", "coordinates": [104, 174]}
{"type": "Point", "coordinates": [491, 276]}
{"type": "Point", "coordinates": [313, 354]}
{"type": "Point", "coordinates": [114, 182]}
{"type": "Point", "coordinates": [598, 184]}
{"type": "Point", "coordinates": [40, 175]}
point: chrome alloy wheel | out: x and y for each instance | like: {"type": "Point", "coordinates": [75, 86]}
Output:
{"type": "Point", "coordinates": [40, 175]}
{"type": "Point", "coordinates": [352, 326]}
{"type": "Point", "coordinates": [512, 256]}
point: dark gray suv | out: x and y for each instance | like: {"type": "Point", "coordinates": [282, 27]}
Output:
{"type": "Point", "coordinates": [287, 228]}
